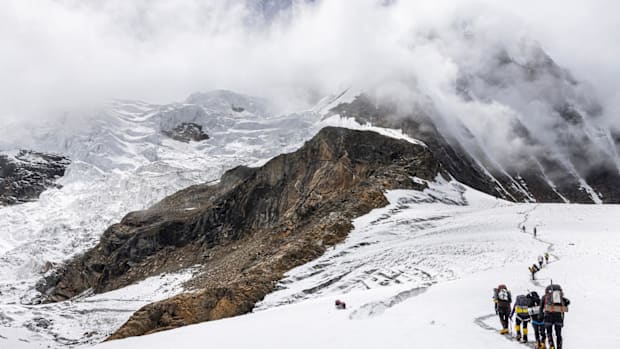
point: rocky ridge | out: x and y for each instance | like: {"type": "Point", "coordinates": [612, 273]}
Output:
{"type": "Point", "coordinates": [186, 132]}
{"type": "Point", "coordinates": [583, 176]}
{"type": "Point", "coordinates": [247, 230]}
{"type": "Point", "coordinates": [26, 175]}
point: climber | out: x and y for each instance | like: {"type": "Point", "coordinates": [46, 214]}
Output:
{"type": "Point", "coordinates": [340, 304]}
{"type": "Point", "coordinates": [547, 257]}
{"type": "Point", "coordinates": [540, 262]}
{"type": "Point", "coordinates": [537, 320]}
{"type": "Point", "coordinates": [521, 307]}
{"type": "Point", "coordinates": [502, 299]}
{"type": "Point", "coordinates": [534, 231]}
{"type": "Point", "coordinates": [533, 270]}
{"type": "Point", "coordinates": [553, 307]}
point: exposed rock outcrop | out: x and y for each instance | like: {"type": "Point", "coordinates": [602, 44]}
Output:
{"type": "Point", "coordinates": [186, 132]}
{"type": "Point", "coordinates": [26, 175]}
{"type": "Point", "coordinates": [247, 230]}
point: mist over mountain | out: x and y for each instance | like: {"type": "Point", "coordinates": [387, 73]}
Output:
{"type": "Point", "coordinates": [74, 55]}
{"type": "Point", "coordinates": [164, 163]}
{"type": "Point", "coordinates": [472, 66]}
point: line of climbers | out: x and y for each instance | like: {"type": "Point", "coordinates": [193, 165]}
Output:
{"type": "Point", "coordinates": [535, 268]}
{"type": "Point", "coordinates": [546, 314]}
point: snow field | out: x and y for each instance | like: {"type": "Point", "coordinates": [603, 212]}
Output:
{"type": "Point", "coordinates": [468, 253]}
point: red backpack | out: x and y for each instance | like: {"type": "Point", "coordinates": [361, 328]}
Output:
{"type": "Point", "coordinates": [554, 300]}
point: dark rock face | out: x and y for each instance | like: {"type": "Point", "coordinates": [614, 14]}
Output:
{"type": "Point", "coordinates": [542, 177]}
{"type": "Point", "coordinates": [453, 157]}
{"type": "Point", "coordinates": [24, 177]}
{"type": "Point", "coordinates": [247, 230]}
{"type": "Point", "coordinates": [186, 132]}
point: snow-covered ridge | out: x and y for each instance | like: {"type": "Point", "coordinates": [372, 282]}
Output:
{"type": "Point", "coordinates": [346, 122]}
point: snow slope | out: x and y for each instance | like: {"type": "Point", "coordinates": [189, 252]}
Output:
{"type": "Point", "coordinates": [421, 274]}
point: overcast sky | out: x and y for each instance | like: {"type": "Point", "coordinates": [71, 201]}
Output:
{"type": "Point", "coordinates": [62, 55]}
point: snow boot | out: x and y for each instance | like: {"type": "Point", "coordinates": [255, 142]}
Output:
{"type": "Point", "coordinates": [503, 331]}
{"type": "Point", "coordinates": [525, 335]}
{"type": "Point", "coordinates": [518, 332]}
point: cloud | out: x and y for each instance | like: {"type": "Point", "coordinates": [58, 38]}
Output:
{"type": "Point", "coordinates": [62, 55]}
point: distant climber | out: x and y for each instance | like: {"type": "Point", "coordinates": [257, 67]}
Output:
{"type": "Point", "coordinates": [534, 231]}
{"type": "Point", "coordinates": [540, 261]}
{"type": "Point", "coordinates": [547, 257]}
{"type": "Point", "coordinates": [523, 228]}
{"type": "Point", "coordinates": [340, 304]}
{"type": "Point", "coordinates": [522, 306]}
{"type": "Point", "coordinates": [502, 299]}
{"type": "Point", "coordinates": [533, 270]}
{"type": "Point", "coordinates": [538, 322]}
{"type": "Point", "coordinates": [553, 307]}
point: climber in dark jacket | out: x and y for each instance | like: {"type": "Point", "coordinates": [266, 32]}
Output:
{"type": "Point", "coordinates": [553, 306]}
{"type": "Point", "coordinates": [540, 261]}
{"type": "Point", "coordinates": [502, 299]}
{"type": "Point", "coordinates": [522, 307]}
{"type": "Point", "coordinates": [533, 270]}
{"type": "Point", "coordinates": [538, 322]}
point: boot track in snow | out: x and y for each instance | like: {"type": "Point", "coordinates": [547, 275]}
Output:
{"type": "Point", "coordinates": [377, 308]}
{"type": "Point", "coordinates": [481, 320]}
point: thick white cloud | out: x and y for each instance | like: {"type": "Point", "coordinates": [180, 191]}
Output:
{"type": "Point", "coordinates": [66, 55]}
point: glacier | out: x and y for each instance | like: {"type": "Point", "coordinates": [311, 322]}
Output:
{"type": "Point", "coordinates": [121, 162]}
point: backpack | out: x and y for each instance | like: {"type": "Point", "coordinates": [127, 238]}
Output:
{"type": "Point", "coordinates": [534, 298]}
{"type": "Point", "coordinates": [554, 300]}
{"type": "Point", "coordinates": [534, 309]}
{"type": "Point", "coordinates": [522, 301]}
{"type": "Point", "coordinates": [502, 294]}
{"type": "Point", "coordinates": [522, 304]}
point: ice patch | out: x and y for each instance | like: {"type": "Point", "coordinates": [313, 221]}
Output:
{"type": "Point", "coordinates": [351, 123]}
